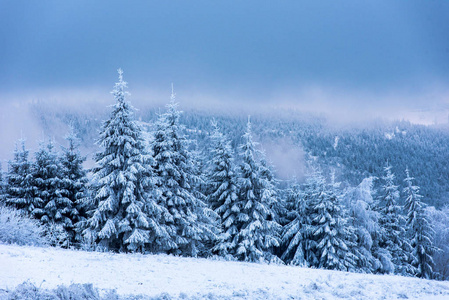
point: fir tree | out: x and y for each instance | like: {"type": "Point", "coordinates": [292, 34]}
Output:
{"type": "Point", "coordinates": [222, 189]}
{"type": "Point", "coordinates": [364, 220]}
{"type": "Point", "coordinates": [298, 234]}
{"type": "Point", "coordinates": [258, 229]}
{"type": "Point", "coordinates": [392, 223]}
{"type": "Point", "coordinates": [46, 172]}
{"type": "Point", "coordinates": [420, 230]}
{"type": "Point", "coordinates": [187, 219]}
{"type": "Point", "coordinates": [19, 191]}
{"type": "Point", "coordinates": [125, 215]}
{"type": "Point", "coordinates": [74, 186]}
{"type": "Point", "coordinates": [318, 234]}
{"type": "Point", "coordinates": [295, 234]}
{"type": "Point", "coordinates": [2, 186]}
{"type": "Point", "coordinates": [272, 185]}
{"type": "Point", "coordinates": [330, 231]}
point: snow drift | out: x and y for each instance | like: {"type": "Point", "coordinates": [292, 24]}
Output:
{"type": "Point", "coordinates": [155, 275]}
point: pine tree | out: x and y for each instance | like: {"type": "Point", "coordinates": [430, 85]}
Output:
{"type": "Point", "coordinates": [359, 201]}
{"type": "Point", "coordinates": [272, 185]}
{"type": "Point", "coordinates": [296, 234]}
{"type": "Point", "coordinates": [74, 187]}
{"type": "Point", "coordinates": [319, 234]}
{"type": "Point", "coordinates": [331, 232]}
{"type": "Point", "coordinates": [420, 230]}
{"type": "Point", "coordinates": [2, 187]}
{"type": "Point", "coordinates": [222, 190]}
{"type": "Point", "coordinates": [125, 215]}
{"type": "Point", "coordinates": [188, 219]}
{"type": "Point", "coordinates": [392, 223]}
{"type": "Point", "coordinates": [19, 191]}
{"type": "Point", "coordinates": [258, 229]}
{"type": "Point", "coordinates": [46, 172]}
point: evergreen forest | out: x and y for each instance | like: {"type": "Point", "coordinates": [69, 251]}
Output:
{"type": "Point", "coordinates": [278, 187]}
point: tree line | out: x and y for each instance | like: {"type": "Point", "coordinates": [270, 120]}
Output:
{"type": "Point", "coordinates": [153, 191]}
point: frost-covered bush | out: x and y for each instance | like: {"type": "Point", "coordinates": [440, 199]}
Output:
{"type": "Point", "coordinates": [440, 222]}
{"type": "Point", "coordinates": [17, 228]}
{"type": "Point", "coordinates": [57, 235]}
{"type": "Point", "coordinates": [28, 291]}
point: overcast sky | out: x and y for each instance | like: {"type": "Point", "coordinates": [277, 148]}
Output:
{"type": "Point", "coordinates": [353, 52]}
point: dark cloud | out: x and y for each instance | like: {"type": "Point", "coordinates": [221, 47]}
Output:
{"type": "Point", "coordinates": [247, 46]}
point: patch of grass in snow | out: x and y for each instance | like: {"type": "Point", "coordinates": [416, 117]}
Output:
{"type": "Point", "coordinates": [29, 291]}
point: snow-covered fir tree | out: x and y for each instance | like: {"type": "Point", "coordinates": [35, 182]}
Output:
{"type": "Point", "coordinates": [298, 234]}
{"type": "Point", "coordinates": [258, 230]}
{"type": "Point", "coordinates": [295, 233]}
{"type": "Point", "coordinates": [74, 185]}
{"type": "Point", "coordinates": [439, 221]}
{"type": "Point", "coordinates": [392, 235]}
{"type": "Point", "coordinates": [47, 180]}
{"type": "Point", "coordinates": [319, 234]}
{"type": "Point", "coordinates": [200, 160]}
{"type": "Point", "coordinates": [125, 215]}
{"type": "Point", "coordinates": [272, 185]}
{"type": "Point", "coordinates": [221, 175]}
{"type": "Point", "coordinates": [188, 220]}
{"type": "Point", "coordinates": [329, 230]}
{"type": "Point", "coordinates": [222, 189]}
{"type": "Point", "coordinates": [364, 219]}
{"type": "Point", "coordinates": [419, 229]}
{"type": "Point", "coordinates": [2, 186]}
{"type": "Point", "coordinates": [19, 189]}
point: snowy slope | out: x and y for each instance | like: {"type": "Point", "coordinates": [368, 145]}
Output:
{"type": "Point", "coordinates": [187, 277]}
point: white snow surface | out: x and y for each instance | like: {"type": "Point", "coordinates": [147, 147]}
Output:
{"type": "Point", "coordinates": [153, 275]}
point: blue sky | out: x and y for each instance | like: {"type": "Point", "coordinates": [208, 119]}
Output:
{"type": "Point", "coordinates": [354, 52]}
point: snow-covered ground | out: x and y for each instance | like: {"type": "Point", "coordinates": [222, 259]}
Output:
{"type": "Point", "coordinates": [153, 275]}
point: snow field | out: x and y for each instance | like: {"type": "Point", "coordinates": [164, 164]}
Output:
{"type": "Point", "coordinates": [153, 275]}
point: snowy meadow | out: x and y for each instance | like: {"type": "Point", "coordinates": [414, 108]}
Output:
{"type": "Point", "coordinates": [170, 277]}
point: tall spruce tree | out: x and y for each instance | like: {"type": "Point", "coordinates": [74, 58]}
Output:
{"type": "Point", "coordinates": [74, 187]}
{"type": "Point", "coordinates": [19, 190]}
{"type": "Point", "coordinates": [258, 229]}
{"type": "Point", "coordinates": [419, 229]}
{"type": "Point", "coordinates": [187, 218]}
{"type": "Point", "coordinates": [47, 180]}
{"type": "Point", "coordinates": [222, 190]}
{"type": "Point", "coordinates": [392, 223]}
{"type": "Point", "coordinates": [125, 215]}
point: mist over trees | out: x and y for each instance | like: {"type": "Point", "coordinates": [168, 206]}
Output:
{"type": "Point", "coordinates": [174, 183]}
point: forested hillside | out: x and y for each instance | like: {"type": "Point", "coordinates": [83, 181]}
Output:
{"type": "Point", "coordinates": [353, 150]}
{"type": "Point", "coordinates": [367, 198]}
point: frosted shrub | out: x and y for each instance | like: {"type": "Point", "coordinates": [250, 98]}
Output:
{"type": "Point", "coordinates": [28, 291]}
{"type": "Point", "coordinates": [17, 228]}
{"type": "Point", "coordinates": [56, 235]}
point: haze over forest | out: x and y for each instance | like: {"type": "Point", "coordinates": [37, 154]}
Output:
{"type": "Point", "coordinates": [349, 60]}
